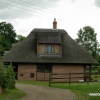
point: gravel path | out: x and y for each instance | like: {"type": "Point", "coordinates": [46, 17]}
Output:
{"type": "Point", "coordinates": [45, 93]}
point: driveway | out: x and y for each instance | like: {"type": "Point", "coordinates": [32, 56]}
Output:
{"type": "Point", "coordinates": [35, 92]}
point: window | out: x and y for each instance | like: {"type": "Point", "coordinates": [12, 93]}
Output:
{"type": "Point", "coordinates": [49, 49]}
{"type": "Point", "coordinates": [46, 68]}
{"type": "Point", "coordinates": [32, 75]}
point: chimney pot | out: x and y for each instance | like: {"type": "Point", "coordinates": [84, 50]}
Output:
{"type": "Point", "coordinates": [54, 24]}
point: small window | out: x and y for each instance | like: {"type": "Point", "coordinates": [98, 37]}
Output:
{"type": "Point", "coordinates": [49, 49]}
{"type": "Point", "coordinates": [32, 75]}
{"type": "Point", "coordinates": [21, 74]}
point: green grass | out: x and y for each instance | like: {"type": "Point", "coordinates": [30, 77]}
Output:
{"type": "Point", "coordinates": [81, 90]}
{"type": "Point", "coordinates": [42, 83]}
{"type": "Point", "coordinates": [96, 77]}
{"type": "Point", "coordinates": [12, 94]}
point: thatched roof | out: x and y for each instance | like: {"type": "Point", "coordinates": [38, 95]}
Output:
{"type": "Point", "coordinates": [54, 37]}
{"type": "Point", "coordinates": [26, 51]}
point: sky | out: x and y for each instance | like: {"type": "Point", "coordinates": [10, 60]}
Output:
{"type": "Point", "coordinates": [71, 15]}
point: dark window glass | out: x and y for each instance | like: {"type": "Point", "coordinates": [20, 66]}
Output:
{"type": "Point", "coordinates": [49, 49]}
{"type": "Point", "coordinates": [40, 68]}
{"type": "Point", "coordinates": [47, 68]}
{"type": "Point", "coordinates": [32, 75]}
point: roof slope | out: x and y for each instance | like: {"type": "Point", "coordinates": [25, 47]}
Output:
{"type": "Point", "coordinates": [54, 37]}
{"type": "Point", "coordinates": [26, 51]}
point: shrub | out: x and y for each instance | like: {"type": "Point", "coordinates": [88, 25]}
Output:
{"type": "Point", "coordinates": [7, 77]}
{"type": "Point", "coordinates": [98, 69]}
{"type": "Point", "coordinates": [11, 77]}
{"type": "Point", "coordinates": [3, 75]}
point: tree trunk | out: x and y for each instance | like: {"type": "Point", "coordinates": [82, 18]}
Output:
{"type": "Point", "coordinates": [3, 89]}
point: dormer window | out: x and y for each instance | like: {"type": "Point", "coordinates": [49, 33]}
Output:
{"type": "Point", "coordinates": [49, 44]}
{"type": "Point", "coordinates": [49, 49]}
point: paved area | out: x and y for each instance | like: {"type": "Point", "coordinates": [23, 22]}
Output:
{"type": "Point", "coordinates": [45, 93]}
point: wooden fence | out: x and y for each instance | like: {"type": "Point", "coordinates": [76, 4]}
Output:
{"type": "Point", "coordinates": [73, 77]}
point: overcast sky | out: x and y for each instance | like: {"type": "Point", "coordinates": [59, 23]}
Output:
{"type": "Point", "coordinates": [71, 15]}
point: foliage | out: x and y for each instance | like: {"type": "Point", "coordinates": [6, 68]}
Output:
{"type": "Point", "coordinates": [99, 69]}
{"type": "Point", "coordinates": [20, 38]}
{"type": "Point", "coordinates": [87, 38]}
{"type": "Point", "coordinates": [7, 37]}
{"type": "Point", "coordinates": [11, 77]}
{"type": "Point", "coordinates": [98, 55]}
{"type": "Point", "coordinates": [3, 75]}
{"type": "Point", "coordinates": [13, 94]}
{"type": "Point", "coordinates": [7, 76]}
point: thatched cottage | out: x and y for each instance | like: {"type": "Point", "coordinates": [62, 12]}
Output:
{"type": "Point", "coordinates": [47, 51]}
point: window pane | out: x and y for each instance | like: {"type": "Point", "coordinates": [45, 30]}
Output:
{"type": "Point", "coordinates": [40, 68]}
{"type": "Point", "coordinates": [52, 49]}
{"type": "Point", "coordinates": [32, 75]}
{"type": "Point", "coordinates": [49, 49]}
{"type": "Point", "coordinates": [46, 49]}
{"type": "Point", "coordinates": [47, 68]}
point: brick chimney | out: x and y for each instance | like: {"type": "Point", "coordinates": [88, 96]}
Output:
{"type": "Point", "coordinates": [54, 24]}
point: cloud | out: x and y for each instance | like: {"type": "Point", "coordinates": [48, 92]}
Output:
{"type": "Point", "coordinates": [10, 9]}
{"type": "Point", "coordinates": [97, 2]}
{"type": "Point", "coordinates": [72, 1]}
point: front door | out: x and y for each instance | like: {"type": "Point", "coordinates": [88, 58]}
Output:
{"type": "Point", "coordinates": [43, 71]}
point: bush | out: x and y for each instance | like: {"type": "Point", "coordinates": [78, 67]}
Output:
{"type": "Point", "coordinates": [7, 77]}
{"type": "Point", "coordinates": [98, 69]}
{"type": "Point", "coordinates": [11, 77]}
{"type": "Point", "coordinates": [3, 75]}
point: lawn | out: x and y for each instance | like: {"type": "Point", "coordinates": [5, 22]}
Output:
{"type": "Point", "coordinates": [12, 94]}
{"type": "Point", "coordinates": [81, 90]}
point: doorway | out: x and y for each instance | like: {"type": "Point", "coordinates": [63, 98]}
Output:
{"type": "Point", "coordinates": [43, 71]}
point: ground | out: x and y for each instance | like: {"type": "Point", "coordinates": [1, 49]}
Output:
{"type": "Point", "coordinates": [45, 93]}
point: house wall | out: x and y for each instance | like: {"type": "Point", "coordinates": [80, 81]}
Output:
{"type": "Point", "coordinates": [26, 70]}
{"type": "Point", "coordinates": [41, 49]}
{"type": "Point", "coordinates": [42, 76]}
{"type": "Point", "coordinates": [68, 69]}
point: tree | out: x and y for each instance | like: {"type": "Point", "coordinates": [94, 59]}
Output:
{"type": "Point", "coordinates": [98, 55]}
{"type": "Point", "coordinates": [87, 38]}
{"type": "Point", "coordinates": [20, 38]}
{"type": "Point", "coordinates": [7, 37]}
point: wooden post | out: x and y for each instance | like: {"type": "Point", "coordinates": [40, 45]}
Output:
{"type": "Point", "coordinates": [36, 75]}
{"type": "Point", "coordinates": [49, 79]}
{"type": "Point", "coordinates": [69, 78]}
{"type": "Point", "coordinates": [90, 73]}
